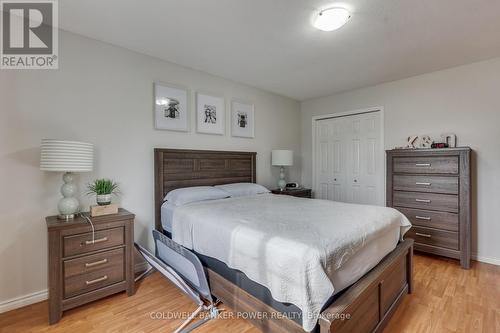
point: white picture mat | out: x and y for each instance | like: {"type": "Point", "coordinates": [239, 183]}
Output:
{"type": "Point", "coordinates": [202, 100]}
{"type": "Point", "coordinates": [163, 91]}
{"type": "Point", "coordinates": [249, 110]}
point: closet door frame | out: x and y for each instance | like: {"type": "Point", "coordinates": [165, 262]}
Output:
{"type": "Point", "coordinates": [316, 119]}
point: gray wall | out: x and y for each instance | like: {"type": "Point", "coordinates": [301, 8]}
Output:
{"type": "Point", "coordinates": [104, 95]}
{"type": "Point", "coordinates": [463, 100]}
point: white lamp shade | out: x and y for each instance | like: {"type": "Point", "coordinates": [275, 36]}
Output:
{"type": "Point", "coordinates": [66, 156]}
{"type": "Point", "coordinates": [282, 157]}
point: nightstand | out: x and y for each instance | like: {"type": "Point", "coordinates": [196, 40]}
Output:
{"type": "Point", "coordinates": [301, 192]}
{"type": "Point", "coordinates": [83, 268]}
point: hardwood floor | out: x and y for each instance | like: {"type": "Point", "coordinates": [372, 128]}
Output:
{"type": "Point", "coordinates": [445, 299]}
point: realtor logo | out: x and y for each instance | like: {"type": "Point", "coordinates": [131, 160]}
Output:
{"type": "Point", "coordinates": [29, 37]}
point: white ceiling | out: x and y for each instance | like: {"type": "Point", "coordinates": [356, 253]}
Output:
{"type": "Point", "coordinates": [271, 44]}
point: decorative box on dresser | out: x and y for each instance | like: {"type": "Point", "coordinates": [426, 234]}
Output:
{"type": "Point", "coordinates": [83, 266]}
{"type": "Point", "coordinates": [432, 187]}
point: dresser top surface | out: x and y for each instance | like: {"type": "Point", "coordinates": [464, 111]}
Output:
{"type": "Point", "coordinates": [53, 222]}
{"type": "Point", "coordinates": [429, 150]}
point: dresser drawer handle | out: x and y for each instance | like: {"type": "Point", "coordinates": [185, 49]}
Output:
{"type": "Point", "coordinates": [104, 278]}
{"type": "Point", "coordinates": [100, 240]}
{"type": "Point", "coordinates": [423, 235]}
{"type": "Point", "coordinates": [422, 164]}
{"type": "Point", "coordinates": [427, 218]}
{"type": "Point", "coordinates": [96, 263]}
{"type": "Point", "coordinates": [423, 184]}
{"type": "Point", "coordinates": [423, 200]}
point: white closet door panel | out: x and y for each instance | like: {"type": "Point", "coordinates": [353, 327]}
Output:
{"type": "Point", "coordinates": [337, 157]}
{"type": "Point", "coordinates": [371, 195]}
{"type": "Point", "coordinates": [371, 158]}
{"type": "Point", "coordinates": [323, 156]}
{"type": "Point", "coordinates": [324, 191]}
{"type": "Point", "coordinates": [355, 125]}
{"type": "Point", "coordinates": [337, 192]}
{"type": "Point", "coordinates": [355, 163]}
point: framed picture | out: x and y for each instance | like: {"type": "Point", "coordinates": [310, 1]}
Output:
{"type": "Point", "coordinates": [171, 108]}
{"type": "Point", "coordinates": [210, 114]}
{"type": "Point", "coordinates": [242, 120]}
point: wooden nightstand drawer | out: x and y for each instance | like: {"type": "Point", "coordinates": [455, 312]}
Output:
{"type": "Point", "coordinates": [434, 237]}
{"type": "Point", "coordinates": [100, 278]}
{"type": "Point", "coordinates": [82, 243]}
{"type": "Point", "coordinates": [432, 184]}
{"type": "Point", "coordinates": [94, 262]}
{"type": "Point", "coordinates": [426, 164]}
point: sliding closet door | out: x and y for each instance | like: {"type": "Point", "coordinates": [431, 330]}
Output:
{"type": "Point", "coordinates": [349, 159]}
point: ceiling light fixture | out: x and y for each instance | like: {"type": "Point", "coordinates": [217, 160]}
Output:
{"type": "Point", "coordinates": [331, 19]}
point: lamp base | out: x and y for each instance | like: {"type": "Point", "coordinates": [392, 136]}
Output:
{"type": "Point", "coordinates": [66, 217]}
{"type": "Point", "coordinates": [68, 206]}
{"type": "Point", "coordinates": [282, 182]}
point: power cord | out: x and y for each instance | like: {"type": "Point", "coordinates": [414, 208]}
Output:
{"type": "Point", "coordinates": [91, 224]}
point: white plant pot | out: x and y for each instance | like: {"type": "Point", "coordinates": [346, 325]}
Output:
{"type": "Point", "coordinates": [103, 199]}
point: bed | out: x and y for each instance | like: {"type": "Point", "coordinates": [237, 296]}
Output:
{"type": "Point", "coordinates": [367, 289]}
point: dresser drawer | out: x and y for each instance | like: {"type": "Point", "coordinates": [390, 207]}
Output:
{"type": "Point", "coordinates": [418, 183]}
{"type": "Point", "coordinates": [431, 219]}
{"type": "Point", "coordinates": [80, 284]}
{"type": "Point", "coordinates": [82, 243]}
{"type": "Point", "coordinates": [428, 201]}
{"type": "Point", "coordinates": [94, 262]}
{"type": "Point", "coordinates": [426, 164]}
{"type": "Point", "coordinates": [440, 238]}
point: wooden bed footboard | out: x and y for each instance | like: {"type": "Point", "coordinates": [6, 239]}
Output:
{"type": "Point", "coordinates": [366, 306]}
{"type": "Point", "coordinates": [370, 302]}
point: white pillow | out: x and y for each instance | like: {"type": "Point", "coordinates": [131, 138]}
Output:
{"type": "Point", "coordinates": [243, 189]}
{"type": "Point", "coordinates": [183, 196]}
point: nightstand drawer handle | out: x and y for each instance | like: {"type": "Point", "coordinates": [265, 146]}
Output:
{"type": "Point", "coordinates": [100, 240]}
{"type": "Point", "coordinates": [104, 278]}
{"type": "Point", "coordinates": [427, 218]}
{"type": "Point", "coordinates": [96, 263]}
{"type": "Point", "coordinates": [423, 200]}
{"type": "Point", "coordinates": [422, 164]}
{"type": "Point", "coordinates": [423, 184]}
{"type": "Point", "coordinates": [423, 235]}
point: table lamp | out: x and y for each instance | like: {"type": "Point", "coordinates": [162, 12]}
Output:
{"type": "Point", "coordinates": [282, 158]}
{"type": "Point", "coordinates": [67, 157]}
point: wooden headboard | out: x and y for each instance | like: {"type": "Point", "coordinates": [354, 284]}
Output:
{"type": "Point", "coordinates": [176, 168]}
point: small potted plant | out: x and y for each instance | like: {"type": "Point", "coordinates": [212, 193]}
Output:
{"type": "Point", "coordinates": [103, 189]}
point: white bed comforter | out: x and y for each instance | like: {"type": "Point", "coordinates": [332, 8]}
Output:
{"type": "Point", "coordinates": [290, 245]}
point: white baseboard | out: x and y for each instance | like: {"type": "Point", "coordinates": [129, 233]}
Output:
{"type": "Point", "coordinates": [19, 302]}
{"type": "Point", "coordinates": [42, 295]}
{"type": "Point", "coordinates": [488, 260]}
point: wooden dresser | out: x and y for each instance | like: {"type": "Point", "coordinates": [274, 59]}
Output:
{"type": "Point", "coordinates": [82, 269]}
{"type": "Point", "coordinates": [432, 187]}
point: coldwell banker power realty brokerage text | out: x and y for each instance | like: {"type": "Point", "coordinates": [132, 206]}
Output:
{"type": "Point", "coordinates": [29, 36]}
